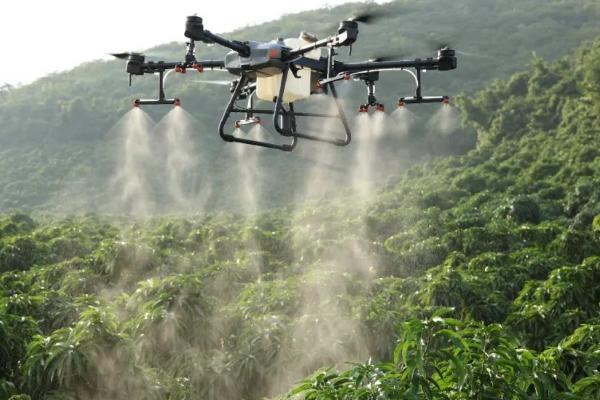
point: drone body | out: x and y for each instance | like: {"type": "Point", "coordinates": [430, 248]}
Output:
{"type": "Point", "coordinates": [284, 72]}
{"type": "Point", "coordinates": [266, 63]}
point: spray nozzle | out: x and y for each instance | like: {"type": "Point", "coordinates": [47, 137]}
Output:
{"type": "Point", "coordinates": [136, 103]}
{"type": "Point", "coordinates": [177, 102]}
{"type": "Point", "coordinates": [180, 69]}
{"type": "Point", "coordinates": [247, 121]}
{"type": "Point", "coordinates": [364, 108]}
{"type": "Point", "coordinates": [401, 103]}
{"type": "Point", "coordinates": [446, 100]}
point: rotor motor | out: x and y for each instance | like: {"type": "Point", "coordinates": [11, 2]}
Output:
{"type": "Point", "coordinates": [350, 28]}
{"type": "Point", "coordinates": [194, 28]}
{"type": "Point", "coordinates": [447, 59]}
{"type": "Point", "coordinates": [135, 64]}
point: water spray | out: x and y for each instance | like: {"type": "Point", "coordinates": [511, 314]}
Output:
{"type": "Point", "coordinates": [446, 120]}
{"type": "Point", "coordinates": [130, 185]}
{"type": "Point", "coordinates": [180, 158]}
{"type": "Point", "coordinates": [404, 118]}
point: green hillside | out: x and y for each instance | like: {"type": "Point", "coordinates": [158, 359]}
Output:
{"type": "Point", "coordinates": [54, 135]}
{"type": "Point", "coordinates": [472, 276]}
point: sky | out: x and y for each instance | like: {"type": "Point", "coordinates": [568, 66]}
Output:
{"type": "Point", "coordinates": [38, 37]}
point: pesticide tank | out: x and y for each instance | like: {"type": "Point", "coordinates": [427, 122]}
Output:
{"type": "Point", "coordinates": [267, 88]}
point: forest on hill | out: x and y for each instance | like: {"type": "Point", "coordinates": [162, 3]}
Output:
{"type": "Point", "coordinates": [56, 152]}
{"type": "Point", "coordinates": [470, 276]}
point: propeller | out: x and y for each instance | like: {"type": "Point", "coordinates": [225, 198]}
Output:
{"type": "Point", "coordinates": [126, 55]}
{"type": "Point", "coordinates": [469, 54]}
{"type": "Point", "coordinates": [435, 45]}
{"type": "Point", "coordinates": [388, 57]}
{"type": "Point", "coordinates": [367, 17]}
{"type": "Point", "coordinates": [439, 45]}
{"type": "Point", "coordinates": [435, 41]}
{"type": "Point", "coordinates": [440, 41]}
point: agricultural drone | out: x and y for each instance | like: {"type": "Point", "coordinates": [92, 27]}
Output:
{"type": "Point", "coordinates": [284, 72]}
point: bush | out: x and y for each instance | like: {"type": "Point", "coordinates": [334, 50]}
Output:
{"type": "Point", "coordinates": [546, 312]}
{"type": "Point", "coordinates": [577, 198]}
{"type": "Point", "coordinates": [471, 182]}
{"type": "Point", "coordinates": [423, 255]}
{"type": "Point", "coordinates": [545, 169]}
{"type": "Point", "coordinates": [442, 199]}
{"type": "Point", "coordinates": [575, 245]}
{"type": "Point", "coordinates": [522, 209]}
{"type": "Point", "coordinates": [583, 220]}
{"type": "Point", "coordinates": [19, 254]}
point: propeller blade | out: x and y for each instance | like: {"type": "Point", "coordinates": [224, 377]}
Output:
{"type": "Point", "coordinates": [437, 44]}
{"type": "Point", "coordinates": [388, 58]}
{"type": "Point", "coordinates": [368, 16]}
{"type": "Point", "coordinates": [437, 41]}
{"type": "Point", "coordinates": [125, 56]}
{"type": "Point", "coordinates": [443, 45]}
{"type": "Point", "coordinates": [365, 16]}
{"type": "Point", "coordinates": [390, 55]}
{"type": "Point", "coordinates": [120, 56]}
{"type": "Point", "coordinates": [469, 54]}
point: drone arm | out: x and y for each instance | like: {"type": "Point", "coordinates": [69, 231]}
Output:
{"type": "Point", "coordinates": [152, 67]}
{"type": "Point", "coordinates": [445, 61]}
{"type": "Point", "coordinates": [212, 64]}
{"type": "Point", "coordinates": [338, 40]}
{"type": "Point", "coordinates": [368, 66]}
{"type": "Point", "coordinates": [316, 45]}
{"type": "Point", "coordinates": [234, 45]}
